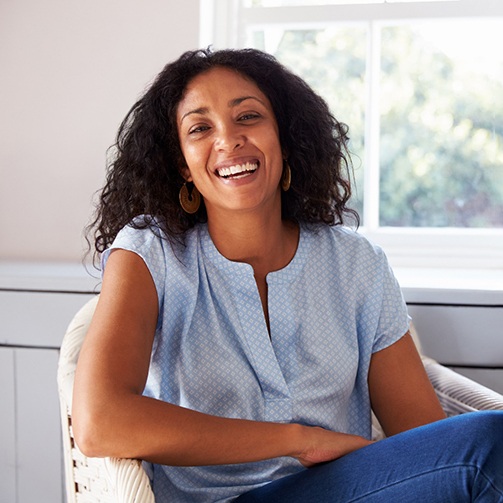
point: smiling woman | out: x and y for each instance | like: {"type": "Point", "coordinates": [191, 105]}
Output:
{"type": "Point", "coordinates": [236, 345]}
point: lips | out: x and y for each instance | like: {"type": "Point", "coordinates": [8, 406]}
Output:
{"type": "Point", "coordinates": [237, 170]}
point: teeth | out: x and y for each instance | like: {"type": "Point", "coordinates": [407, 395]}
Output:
{"type": "Point", "coordinates": [237, 169]}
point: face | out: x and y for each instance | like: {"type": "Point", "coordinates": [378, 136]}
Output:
{"type": "Point", "coordinates": [229, 137]}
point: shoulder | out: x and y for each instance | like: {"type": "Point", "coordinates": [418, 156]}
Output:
{"type": "Point", "coordinates": [145, 236]}
{"type": "Point", "coordinates": [349, 255]}
{"type": "Point", "coordinates": [341, 240]}
{"type": "Point", "coordinates": [170, 262]}
{"type": "Point", "coordinates": [142, 236]}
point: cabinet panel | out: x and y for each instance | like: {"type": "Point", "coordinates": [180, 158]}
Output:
{"type": "Point", "coordinates": [7, 427]}
{"type": "Point", "coordinates": [38, 436]}
{"type": "Point", "coordinates": [37, 318]}
{"type": "Point", "coordinates": [462, 335]}
{"type": "Point", "coordinates": [30, 438]}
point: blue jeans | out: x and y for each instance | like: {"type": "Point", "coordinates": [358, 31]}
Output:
{"type": "Point", "coordinates": [455, 460]}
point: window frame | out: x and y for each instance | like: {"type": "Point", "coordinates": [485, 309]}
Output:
{"type": "Point", "coordinates": [224, 24]}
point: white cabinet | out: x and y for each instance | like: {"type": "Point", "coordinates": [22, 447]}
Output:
{"type": "Point", "coordinates": [37, 433]}
{"type": "Point", "coordinates": [37, 319]}
{"type": "Point", "coordinates": [467, 335]}
{"type": "Point", "coordinates": [459, 319]}
{"type": "Point", "coordinates": [34, 315]}
{"type": "Point", "coordinates": [30, 466]}
{"type": "Point", "coordinates": [7, 426]}
{"type": "Point", "coordinates": [467, 338]}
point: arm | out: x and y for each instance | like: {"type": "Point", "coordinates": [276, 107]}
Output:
{"type": "Point", "coordinates": [400, 391]}
{"type": "Point", "coordinates": [112, 418]}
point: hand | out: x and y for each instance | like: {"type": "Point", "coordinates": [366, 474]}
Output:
{"type": "Point", "coordinates": [325, 445]}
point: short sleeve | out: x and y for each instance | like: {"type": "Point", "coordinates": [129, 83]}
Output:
{"type": "Point", "coordinates": [150, 247]}
{"type": "Point", "coordinates": [394, 319]}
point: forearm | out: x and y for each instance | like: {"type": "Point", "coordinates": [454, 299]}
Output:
{"type": "Point", "coordinates": [145, 428]}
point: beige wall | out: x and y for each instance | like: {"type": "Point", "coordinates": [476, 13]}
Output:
{"type": "Point", "coordinates": [69, 72]}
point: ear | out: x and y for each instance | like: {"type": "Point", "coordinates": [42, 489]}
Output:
{"type": "Point", "coordinates": [185, 172]}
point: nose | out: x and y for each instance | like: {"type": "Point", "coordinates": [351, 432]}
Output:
{"type": "Point", "coordinates": [229, 138]}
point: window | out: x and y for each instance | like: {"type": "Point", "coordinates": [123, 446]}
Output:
{"type": "Point", "coordinates": [420, 85]}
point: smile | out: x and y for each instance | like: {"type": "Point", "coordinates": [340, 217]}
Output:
{"type": "Point", "coordinates": [238, 170]}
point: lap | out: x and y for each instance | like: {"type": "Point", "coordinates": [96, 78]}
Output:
{"type": "Point", "coordinates": [443, 461]}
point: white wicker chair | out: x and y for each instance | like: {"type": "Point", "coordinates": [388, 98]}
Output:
{"type": "Point", "coordinates": [107, 480]}
{"type": "Point", "coordinates": [93, 480]}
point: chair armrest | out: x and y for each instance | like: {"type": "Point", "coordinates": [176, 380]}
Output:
{"type": "Point", "coordinates": [110, 480]}
{"type": "Point", "coordinates": [457, 393]}
{"type": "Point", "coordinates": [128, 480]}
{"type": "Point", "coordinates": [107, 480]}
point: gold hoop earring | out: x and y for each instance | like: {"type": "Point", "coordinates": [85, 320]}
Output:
{"type": "Point", "coordinates": [189, 202]}
{"type": "Point", "coordinates": [286, 177]}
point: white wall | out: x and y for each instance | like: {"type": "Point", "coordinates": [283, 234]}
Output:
{"type": "Point", "coordinates": [69, 72]}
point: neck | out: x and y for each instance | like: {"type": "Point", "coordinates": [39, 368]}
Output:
{"type": "Point", "coordinates": [265, 242]}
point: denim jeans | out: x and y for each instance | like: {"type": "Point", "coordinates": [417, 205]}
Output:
{"type": "Point", "coordinates": [454, 460]}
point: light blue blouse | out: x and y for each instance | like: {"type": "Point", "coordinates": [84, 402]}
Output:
{"type": "Point", "coordinates": [330, 308]}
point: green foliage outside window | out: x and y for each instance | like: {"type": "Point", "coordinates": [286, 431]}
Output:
{"type": "Point", "coordinates": [441, 139]}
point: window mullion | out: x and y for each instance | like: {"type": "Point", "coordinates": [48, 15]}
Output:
{"type": "Point", "coordinates": [372, 123]}
{"type": "Point", "coordinates": [221, 23]}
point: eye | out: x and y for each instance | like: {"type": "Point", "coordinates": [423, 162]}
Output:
{"type": "Point", "coordinates": [198, 128]}
{"type": "Point", "coordinates": [248, 116]}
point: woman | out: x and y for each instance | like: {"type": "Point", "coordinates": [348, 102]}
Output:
{"type": "Point", "coordinates": [242, 333]}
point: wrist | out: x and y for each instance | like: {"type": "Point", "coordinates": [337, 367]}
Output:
{"type": "Point", "coordinates": [296, 437]}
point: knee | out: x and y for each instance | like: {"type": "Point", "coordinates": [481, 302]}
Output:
{"type": "Point", "coordinates": [487, 442]}
{"type": "Point", "coordinates": [485, 421]}
{"type": "Point", "coordinates": [483, 427]}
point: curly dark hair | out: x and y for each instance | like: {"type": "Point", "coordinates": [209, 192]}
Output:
{"type": "Point", "coordinates": [144, 176]}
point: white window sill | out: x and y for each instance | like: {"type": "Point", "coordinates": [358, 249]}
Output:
{"type": "Point", "coordinates": [451, 286]}
{"type": "Point", "coordinates": [441, 248]}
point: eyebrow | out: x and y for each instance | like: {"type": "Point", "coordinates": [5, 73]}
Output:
{"type": "Point", "coordinates": [197, 111]}
{"type": "Point", "coordinates": [238, 101]}
{"type": "Point", "coordinates": [232, 103]}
